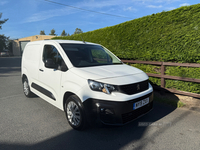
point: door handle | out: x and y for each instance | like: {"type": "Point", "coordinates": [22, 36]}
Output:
{"type": "Point", "coordinates": [41, 70]}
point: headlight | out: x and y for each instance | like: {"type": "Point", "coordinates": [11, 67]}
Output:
{"type": "Point", "coordinates": [102, 87]}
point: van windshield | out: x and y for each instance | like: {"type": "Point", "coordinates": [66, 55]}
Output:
{"type": "Point", "coordinates": [86, 55]}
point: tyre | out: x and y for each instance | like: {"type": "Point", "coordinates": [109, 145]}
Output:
{"type": "Point", "coordinates": [75, 113]}
{"type": "Point", "coordinates": [26, 88]}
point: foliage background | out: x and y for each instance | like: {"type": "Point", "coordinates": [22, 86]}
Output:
{"type": "Point", "coordinates": [172, 36]}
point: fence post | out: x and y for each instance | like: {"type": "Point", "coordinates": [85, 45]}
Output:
{"type": "Point", "coordinates": [162, 75]}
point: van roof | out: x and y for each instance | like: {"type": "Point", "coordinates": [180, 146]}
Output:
{"type": "Point", "coordinates": [65, 41]}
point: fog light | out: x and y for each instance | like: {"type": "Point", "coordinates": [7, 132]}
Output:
{"type": "Point", "coordinates": [107, 115]}
{"type": "Point", "coordinates": [108, 111]}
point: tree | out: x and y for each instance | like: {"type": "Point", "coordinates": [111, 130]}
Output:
{"type": "Point", "coordinates": [3, 42]}
{"type": "Point", "coordinates": [78, 31]}
{"type": "Point", "coordinates": [63, 33]}
{"type": "Point", "coordinates": [68, 34]}
{"type": "Point", "coordinates": [3, 38]}
{"type": "Point", "coordinates": [10, 46]}
{"type": "Point", "coordinates": [52, 32]}
{"type": "Point", "coordinates": [2, 21]}
{"type": "Point", "coordinates": [42, 32]}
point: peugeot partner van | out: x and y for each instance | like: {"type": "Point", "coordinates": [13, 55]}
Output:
{"type": "Point", "coordinates": [85, 80]}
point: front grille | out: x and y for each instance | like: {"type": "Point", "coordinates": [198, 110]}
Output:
{"type": "Point", "coordinates": [134, 88]}
{"type": "Point", "coordinates": [127, 117]}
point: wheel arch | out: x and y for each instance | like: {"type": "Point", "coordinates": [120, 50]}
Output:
{"type": "Point", "coordinates": [23, 77]}
{"type": "Point", "coordinates": [76, 99]}
{"type": "Point", "coordinates": [66, 96]}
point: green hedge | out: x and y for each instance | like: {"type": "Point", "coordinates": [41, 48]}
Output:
{"type": "Point", "coordinates": [166, 36]}
{"type": "Point", "coordinates": [172, 36]}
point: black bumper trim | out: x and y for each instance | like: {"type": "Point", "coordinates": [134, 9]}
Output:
{"type": "Point", "coordinates": [114, 112]}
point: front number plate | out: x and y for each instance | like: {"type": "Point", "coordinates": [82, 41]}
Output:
{"type": "Point", "coordinates": [140, 103]}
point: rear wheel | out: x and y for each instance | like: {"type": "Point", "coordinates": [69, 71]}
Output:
{"type": "Point", "coordinates": [75, 113]}
{"type": "Point", "coordinates": [26, 88]}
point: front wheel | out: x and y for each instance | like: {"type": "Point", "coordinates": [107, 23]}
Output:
{"type": "Point", "coordinates": [75, 113]}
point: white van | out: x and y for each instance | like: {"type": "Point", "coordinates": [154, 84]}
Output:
{"type": "Point", "coordinates": [86, 81]}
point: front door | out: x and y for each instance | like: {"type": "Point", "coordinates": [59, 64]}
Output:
{"type": "Point", "coordinates": [50, 78]}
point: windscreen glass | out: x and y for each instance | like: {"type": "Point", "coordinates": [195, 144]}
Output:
{"type": "Point", "coordinates": [86, 55]}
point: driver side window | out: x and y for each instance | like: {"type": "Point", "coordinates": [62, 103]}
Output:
{"type": "Point", "coordinates": [50, 52]}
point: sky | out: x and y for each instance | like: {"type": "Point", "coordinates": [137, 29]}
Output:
{"type": "Point", "coordinates": [29, 17]}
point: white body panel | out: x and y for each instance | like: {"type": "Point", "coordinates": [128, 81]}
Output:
{"type": "Point", "coordinates": [109, 71]}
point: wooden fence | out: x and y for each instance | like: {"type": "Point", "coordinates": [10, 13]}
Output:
{"type": "Point", "coordinates": [163, 76]}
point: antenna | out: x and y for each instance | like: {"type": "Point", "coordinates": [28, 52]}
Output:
{"type": "Point", "coordinates": [83, 40]}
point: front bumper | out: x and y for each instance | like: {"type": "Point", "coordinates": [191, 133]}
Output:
{"type": "Point", "coordinates": [114, 112]}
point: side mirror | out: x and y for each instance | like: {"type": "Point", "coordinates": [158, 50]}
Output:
{"type": "Point", "coordinates": [49, 63]}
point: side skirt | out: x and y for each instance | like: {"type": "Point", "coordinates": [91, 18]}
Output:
{"type": "Point", "coordinates": [43, 91]}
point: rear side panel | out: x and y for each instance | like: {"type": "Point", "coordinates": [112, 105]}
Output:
{"type": "Point", "coordinates": [30, 61]}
